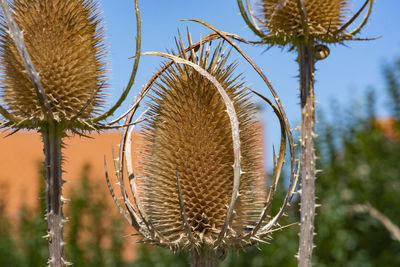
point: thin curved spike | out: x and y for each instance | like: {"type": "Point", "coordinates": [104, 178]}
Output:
{"type": "Point", "coordinates": [363, 39]}
{"type": "Point", "coordinates": [283, 227]}
{"type": "Point", "coordinates": [131, 176]}
{"type": "Point", "coordinates": [235, 137]}
{"type": "Point", "coordinates": [9, 116]}
{"type": "Point", "coordinates": [247, 20]}
{"type": "Point", "coordinates": [12, 133]}
{"type": "Point", "coordinates": [277, 168]}
{"type": "Point", "coordinates": [183, 212]}
{"type": "Point", "coordinates": [252, 16]}
{"type": "Point", "coordinates": [127, 125]}
{"type": "Point", "coordinates": [124, 94]}
{"type": "Point", "coordinates": [111, 189]}
{"type": "Point", "coordinates": [3, 123]}
{"type": "Point", "coordinates": [18, 38]}
{"type": "Point", "coordinates": [350, 21]}
{"type": "Point", "coordinates": [147, 224]}
{"type": "Point", "coordinates": [267, 228]}
{"type": "Point", "coordinates": [364, 21]}
{"type": "Point", "coordinates": [118, 173]}
{"type": "Point", "coordinates": [88, 102]}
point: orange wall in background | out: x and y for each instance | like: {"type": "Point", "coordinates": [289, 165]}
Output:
{"type": "Point", "coordinates": [21, 153]}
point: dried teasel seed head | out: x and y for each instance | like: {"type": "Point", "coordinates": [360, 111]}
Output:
{"type": "Point", "coordinates": [189, 134]}
{"type": "Point", "coordinates": [65, 42]}
{"type": "Point", "coordinates": [282, 19]}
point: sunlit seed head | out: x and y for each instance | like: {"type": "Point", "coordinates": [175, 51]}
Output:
{"type": "Point", "coordinates": [283, 20]}
{"type": "Point", "coordinates": [65, 42]}
{"type": "Point", "coordinates": [189, 134]}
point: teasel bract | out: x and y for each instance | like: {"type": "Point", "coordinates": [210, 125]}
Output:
{"type": "Point", "coordinates": [199, 184]}
{"type": "Point", "coordinates": [306, 26]}
{"type": "Point", "coordinates": [53, 77]}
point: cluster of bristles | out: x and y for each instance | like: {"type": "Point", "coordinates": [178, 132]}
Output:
{"type": "Point", "coordinates": [188, 137]}
{"type": "Point", "coordinates": [283, 20]}
{"type": "Point", "coordinates": [65, 42]}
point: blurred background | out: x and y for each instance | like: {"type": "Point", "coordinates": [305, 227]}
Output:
{"type": "Point", "coordinates": [358, 88]}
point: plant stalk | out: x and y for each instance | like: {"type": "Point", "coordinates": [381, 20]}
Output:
{"type": "Point", "coordinates": [52, 139]}
{"type": "Point", "coordinates": [307, 209]}
{"type": "Point", "coordinates": [204, 257]}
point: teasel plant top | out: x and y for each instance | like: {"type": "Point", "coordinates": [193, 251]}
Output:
{"type": "Point", "coordinates": [199, 185]}
{"type": "Point", "coordinates": [53, 78]}
{"type": "Point", "coordinates": [286, 22]}
{"type": "Point", "coordinates": [53, 65]}
{"type": "Point", "coordinates": [306, 26]}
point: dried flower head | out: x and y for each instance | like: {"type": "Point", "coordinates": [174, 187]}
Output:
{"type": "Point", "coordinates": [189, 136]}
{"type": "Point", "coordinates": [286, 22]}
{"type": "Point", "coordinates": [65, 42]}
{"type": "Point", "coordinates": [200, 183]}
{"type": "Point", "coordinates": [282, 19]}
{"type": "Point", "coordinates": [52, 73]}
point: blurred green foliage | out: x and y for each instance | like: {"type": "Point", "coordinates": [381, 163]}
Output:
{"type": "Point", "coordinates": [94, 234]}
{"type": "Point", "coordinates": [359, 165]}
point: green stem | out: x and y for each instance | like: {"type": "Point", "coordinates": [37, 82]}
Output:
{"type": "Point", "coordinates": [52, 139]}
{"type": "Point", "coordinates": [307, 210]}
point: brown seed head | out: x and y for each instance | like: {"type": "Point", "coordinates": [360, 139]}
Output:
{"type": "Point", "coordinates": [189, 134]}
{"type": "Point", "coordinates": [65, 42]}
{"type": "Point", "coordinates": [283, 20]}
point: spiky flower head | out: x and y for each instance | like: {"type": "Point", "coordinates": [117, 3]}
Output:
{"type": "Point", "coordinates": [283, 20]}
{"type": "Point", "coordinates": [291, 22]}
{"type": "Point", "coordinates": [65, 41]}
{"type": "Point", "coordinates": [188, 154]}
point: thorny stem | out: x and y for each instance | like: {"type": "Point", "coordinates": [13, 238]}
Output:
{"type": "Point", "coordinates": [52, 139]}
{"type": "Point", "coordinates": [205, 257]}
{"type": "Point", "coordinates": [307, 210]}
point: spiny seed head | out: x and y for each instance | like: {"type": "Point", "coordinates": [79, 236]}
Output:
{"type": "Point", "coordinates": [189, 134]}
{"type": "Point", "coordinates": [282, 19]}
{"type": "Point", "coordinates": [65, 42]}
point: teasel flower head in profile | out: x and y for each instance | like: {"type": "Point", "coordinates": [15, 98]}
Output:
{"type": "Point", "coordinates": [65, 44]}
{"type": "Point", "coordinates": [199, 185]}
{"type": "Point", "coordinates": [287, 22]}
{"type": "Point", "coordinates": [52, 79]}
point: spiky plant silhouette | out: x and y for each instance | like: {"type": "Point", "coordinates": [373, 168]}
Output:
{"type": "Point", "coordinates": [53, 81]}
{"type": "Point", "coordinates": [198, 186]}
{"type": "Point", "coordinates": [306, 26]}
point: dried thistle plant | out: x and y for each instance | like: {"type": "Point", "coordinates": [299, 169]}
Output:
{"type": "Point", "coordinates": [53, 80]}
{"type": "Point", "coordinates": [198, 187]}
{"type": "Point", "coordinates": [306, 26]}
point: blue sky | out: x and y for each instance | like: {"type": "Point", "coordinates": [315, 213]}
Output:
{"type": "Point", "coordinates": [343, 76]}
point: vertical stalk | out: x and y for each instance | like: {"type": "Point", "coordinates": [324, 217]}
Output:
{"type": "Point", "coordinates": [52, 139]}
{"type": "Point", "coordinates": [203, 257]}
{"type": "Point", "coordinates": [307, 209]}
